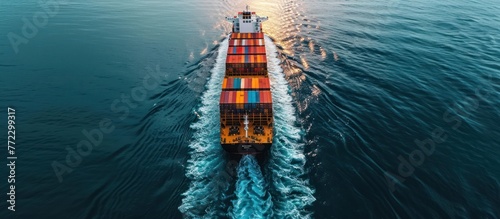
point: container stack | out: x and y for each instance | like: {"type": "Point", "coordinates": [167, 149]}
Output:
{"type": "Point", "coordinates": [246, 101]}
{"type": "Point", "coordinates": [246, 87]}
{"type": "Point", "coordinates": [245, 84]}
{"type": "Point", "coordinates": [246, 55]}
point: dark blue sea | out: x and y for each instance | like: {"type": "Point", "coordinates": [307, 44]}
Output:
{"type": "Point", "coordinates": [383, 109]}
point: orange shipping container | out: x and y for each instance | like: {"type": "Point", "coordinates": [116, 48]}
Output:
{"type": "Point", "coordinates": [224, 83]}
{"type": "Point", "coordinates": [246, 42]}
{"type": "Point", "coordinates": [249, 59]}
{"type": "Point", "coordinates": [239, 96]}
{"type": "Point", "coordinates": [245, 83]}
{"type": "Point", "coordinates": [242, 50]}
{"type": "Point", "coordinates": [247, 35]}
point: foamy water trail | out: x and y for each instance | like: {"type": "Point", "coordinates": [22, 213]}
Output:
{"type": "Point", "coordinates": [206, 165]}
{"type": "Point", "coordinates": [252, 199]}
{"type": "Point", "coordinates": [288, 195]}
{"type": "Point", "coordinates": [290, 192]}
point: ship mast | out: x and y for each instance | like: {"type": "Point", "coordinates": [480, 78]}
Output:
{"type": "Point", "coordinates": [246, 124]}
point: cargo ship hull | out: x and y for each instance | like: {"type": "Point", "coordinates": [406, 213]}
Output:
{"type": "Point", "coordinates": [246, 114]}
{"type": "Point", "coordinates": [246, 148]}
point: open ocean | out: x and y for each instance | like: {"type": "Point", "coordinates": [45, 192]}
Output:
{"type": "Point", "coordinates": [383, 109]}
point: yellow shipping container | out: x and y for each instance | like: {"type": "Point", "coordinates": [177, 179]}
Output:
{"type": "Point", "coordinates": [255, 83]}
{"type": "Point", "coordinates": [240, 97]}
{"type": "Point", "coordinates": [224, 83]}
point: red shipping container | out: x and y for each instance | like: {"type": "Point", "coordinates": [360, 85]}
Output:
{"type": "Point", "coordinates": [225, 95]}
{"type": "Point", "coordinates": [241, 50]}
{"type": "Point", "coordinates": [248, 83]}
{"type": "Point", "coordinates": [247, 35]}
{"type": "Point", "coordinates": [230, 83]}
{"type": "Point", "coordinates": [235, 97]}
{"type": "Point", "coordinates": [246, 42]}
{"type": "Point", "coordinates": [261, 82]}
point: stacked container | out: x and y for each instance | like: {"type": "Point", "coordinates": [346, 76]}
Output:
{"type": "Point", "coordinates": [245, 84]}
{"type": "Point", "coordinates": [246, 101]}
{"type": "Point", "coordinates": [246, 87]}
{"type": "Point", "coordinates": [246, 55]}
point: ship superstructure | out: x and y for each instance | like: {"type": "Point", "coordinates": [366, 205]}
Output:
{"type": "Point", "coordinates": [246, 115]}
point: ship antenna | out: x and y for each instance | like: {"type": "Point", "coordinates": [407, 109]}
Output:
{"type": "Point", "coordinates": [248, 8]}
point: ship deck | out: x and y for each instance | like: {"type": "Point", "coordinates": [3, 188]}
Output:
{"type": "Point", "coordinates": [235, 134]}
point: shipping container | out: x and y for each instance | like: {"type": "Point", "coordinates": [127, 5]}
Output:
{"type": "Point", "coordinates": [255, 83]}
{"type": "Point", "coordinates": [246, 59]}
{"type": "Point", "coordinates": [224, 83]}
{"type": "Point", "coordinates": [239, 65]}
{"type": "Point", "coordinates": [246, 42]}
{"type": "Point", "coordinates": [245, 101]}
{"type": "Point", "coordinates": [245, 84]}
{"type": "Point", "coordinates": [246, 50]}
{"type": "Point", "coordinates": [247, 36]}
{"type": "Point", "coordinates": [237, 72]}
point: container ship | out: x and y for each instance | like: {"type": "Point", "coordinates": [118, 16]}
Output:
{"type": "Point", "coordinates": [246, 113]}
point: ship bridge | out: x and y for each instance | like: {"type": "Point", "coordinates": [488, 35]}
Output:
{"type": "Point", "coordinates": [247, 22]}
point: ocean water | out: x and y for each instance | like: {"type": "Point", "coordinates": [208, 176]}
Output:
{"type": "Point", "coordinates": [384, 109]}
